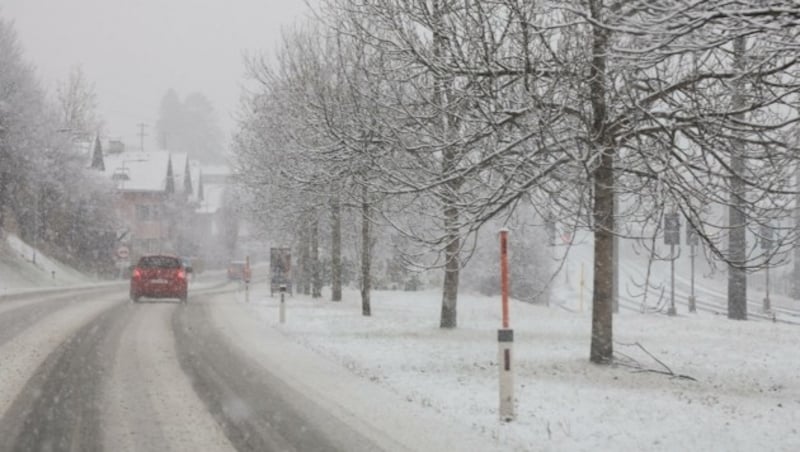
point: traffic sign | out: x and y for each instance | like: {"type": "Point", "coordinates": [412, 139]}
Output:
{"type": "Point", "coordinates": [123, 252]}
{"type": "Point", "coordinates": [672, 229]}
{"type": "Point", "coordinates": [692, 237]}
{"type": "Point", "coordinates": [767, 237]}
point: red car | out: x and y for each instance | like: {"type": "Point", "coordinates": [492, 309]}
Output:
{"type": "Point", "coordinates": [160, 276]}
{"type": "Point", "coordinates": [239, 271]}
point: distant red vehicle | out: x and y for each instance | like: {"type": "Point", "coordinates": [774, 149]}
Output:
{"type": "Point", "coordinates": [239, 271]}
{"type": "Point", "coordinates": [160, 276]}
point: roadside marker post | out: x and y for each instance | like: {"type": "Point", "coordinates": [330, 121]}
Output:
{"type": "Point", "coordinates": [283, 303]}
{"type": "Point", "coordinates": [581, 288]}
{"type": "Point", "coordinates": [246, 277]}
{"type": "Point", "coordinates": [693, 240]}
{"type": "Point", "coordinates": [505, 339]}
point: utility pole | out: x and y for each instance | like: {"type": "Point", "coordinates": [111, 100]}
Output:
{"type": "Point", "coordinates": [141, 126]}
{"type": "Point", "coordinates": [767, 245]}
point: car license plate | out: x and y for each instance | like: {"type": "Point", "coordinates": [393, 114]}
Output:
{"type": "Point", "coordinates": [159, 281]}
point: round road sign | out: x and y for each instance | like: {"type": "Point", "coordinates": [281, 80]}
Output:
{"type": "Point", "coordinates": [123, 252]}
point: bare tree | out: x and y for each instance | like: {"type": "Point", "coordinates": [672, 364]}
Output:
{"type": "Point", "coordinates": [77, 104]}
{"type": "Point", "coordinates": [474, 106]}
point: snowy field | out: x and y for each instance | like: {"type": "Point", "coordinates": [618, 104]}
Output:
{"type": "Point", "coordinates": [736, 385]}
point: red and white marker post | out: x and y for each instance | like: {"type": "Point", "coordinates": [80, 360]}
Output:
{"type": "Point", "coordinates": [505, 339]}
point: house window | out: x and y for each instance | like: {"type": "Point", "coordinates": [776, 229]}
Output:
{"type": "Point", "coordinates": [146, 212]}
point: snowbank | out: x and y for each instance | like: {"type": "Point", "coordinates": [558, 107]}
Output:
{"type": "Point", "coordinates": [743, 390]}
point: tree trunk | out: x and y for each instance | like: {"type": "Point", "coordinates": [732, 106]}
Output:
{"type": "Point", "coordinates": [316, 274]}
{"type": "Point", "coordinates": [452, 267]}
{"type": "Point", "coordinates": [336, 250]}
{"type": "Point", "coordinates": [615, 251]}
{"type": "Point", "coordinates": [305, 264]}
{"type": "Point", "coordinates": [602, 350]}
{"type": "Point", "coordinates": [602, 300]}
{"type": "Point", "coordinates": [796, 279]}
{"type": "Point", "coordinates": [366, 254]}
{"type": "Point", "coordinates": [449, 317]}
{"type": "Point", "coordinates": [737, 221]}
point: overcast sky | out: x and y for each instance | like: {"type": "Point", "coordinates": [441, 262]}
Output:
{"type": "Point", "coordinates": [134, 51]}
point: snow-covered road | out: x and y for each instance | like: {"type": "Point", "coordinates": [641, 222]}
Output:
{"type": "Point", "coordinates": [90, 370]}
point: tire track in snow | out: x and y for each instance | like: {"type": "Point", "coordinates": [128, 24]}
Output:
{"type": "Point", "coordinates": [149, 401]}
{"type": "Point", "coordinates": [38, 397]}
{"type": "Point", "coordinates": [257, 410]}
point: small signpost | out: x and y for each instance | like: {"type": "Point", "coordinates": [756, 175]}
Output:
{"type": "Point", "coordinates": [692, 239]}
{"type": "Point", "coordinates": [123, 252]}
{"type": "Point", "coordinates": [672, 237]}
{"type": "Point", "coordinates": [122, 255]}
{"type": "Point", "coordinates": [280, 267]}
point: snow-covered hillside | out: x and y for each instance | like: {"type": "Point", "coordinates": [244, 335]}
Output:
{"type": "Point", "coordinates": [22, 267]}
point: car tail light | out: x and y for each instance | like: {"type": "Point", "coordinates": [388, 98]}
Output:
{"type": "Point", "coordinates": [181, 274]}
{"type": "Point", "coordinates": [137, 273]}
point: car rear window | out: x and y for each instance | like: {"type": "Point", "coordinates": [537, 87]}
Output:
{"type": "Point", "coordinates": [159, 262]}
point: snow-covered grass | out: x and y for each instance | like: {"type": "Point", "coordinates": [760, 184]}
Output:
{"type": "Point", "coordinates": [744, 391]}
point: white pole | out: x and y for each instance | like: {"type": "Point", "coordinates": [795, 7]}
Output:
{"type": "Point", "coordinates": [671, 311]}
{"type": "Point", "coordinates": [505, 340]}
{"type": "Point", "coordinates": [283, 305]}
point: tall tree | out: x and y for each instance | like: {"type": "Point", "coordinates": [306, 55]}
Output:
{"type": "Point", "coordinates": [190, 126]}
{"type": "Point", "coordinates": [170, 120]}
{"type": "Point", "coordinates": [336, 249]}
{"type": "Point", "coordinates": [21, 102]}
{"type": "Point", "coordinates": [77, 105]}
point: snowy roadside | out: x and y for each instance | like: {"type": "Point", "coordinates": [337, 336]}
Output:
{"type": "Point", "coordinates": [24, 269]}
{"type": "Point", "coordinates": [745, 396]}
{"type": "Point", "coordinates": [19, 274]}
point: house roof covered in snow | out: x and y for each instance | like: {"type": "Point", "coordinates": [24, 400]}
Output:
{"type": "Point", "coordinates": [139, 171]}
